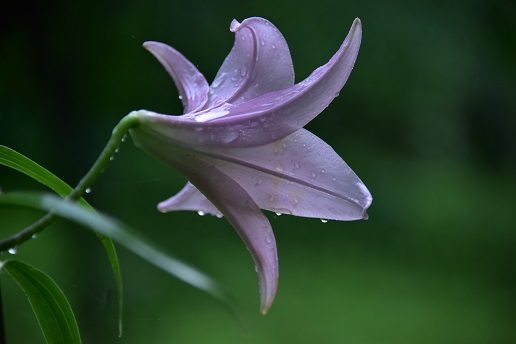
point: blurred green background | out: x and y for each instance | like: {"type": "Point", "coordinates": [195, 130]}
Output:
{"type": "Point", "coordinates": [427, 120]}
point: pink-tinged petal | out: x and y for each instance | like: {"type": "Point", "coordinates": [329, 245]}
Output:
{"type": "Point", "coordinates": [189, 198]}
{"type": "Point", "coordinates": [191, 84]}
{"type": "Point", "coordinates": [259, 63]}
{"type": "Point", "coordinates": [299, 175]}
{"type": "Point", "coordinates": [231, 199]}
{"type": "Point", "coordinates": [267, 118]}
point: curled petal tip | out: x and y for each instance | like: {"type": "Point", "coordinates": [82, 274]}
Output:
{"type": "Point", "coordinates": [235, 24]}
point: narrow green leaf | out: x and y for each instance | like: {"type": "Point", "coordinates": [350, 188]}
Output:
{"type": "Point", "coordinates": [21, 163]}
{"type": "Point", "coordinates": [50, 305]}
{"type": "Point", "coordinates": [121, 233]}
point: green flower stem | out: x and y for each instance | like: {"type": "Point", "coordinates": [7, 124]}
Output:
{"type": "Point", "coordinates": [117, 136]}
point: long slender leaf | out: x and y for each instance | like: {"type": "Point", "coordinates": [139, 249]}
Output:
{"type": "Point", "coordinates": [121, 233]}
{"type": "Point", "coordinates": [50, 305]}
{"type": "Point", "coordinates": [21, 163]}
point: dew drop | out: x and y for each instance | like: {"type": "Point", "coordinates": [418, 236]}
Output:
{"type": "Point", "coordinates": [322, 171]}
{"type": "Point", "coordinates": [117, 150]}
{"type": "Point", "coordinates": [243, 71]}
{"type": "Point", "coordinates": [180, 97]}
{"type": "Point", "coordinates": [124, 138]}
{"type": "Point", "coordinates": [201, 213]}
{"type": "Point", "coordinates": [314, 174]}
{"type": "Point", "coordinates": [111, 158]}
{"type": "Point", "coordinates": [34, 236]}
{"type": "Point", "coordinates": [273, 46]}
{"type": "Point", "coordinates": [324, 220]}
{"type": "Point", "coordinates": [13, 250]}
{"type": "Point", "coordinates": [334, 179]}
{"type": "Point", "coordinates": [278, 214]}
{"type": "Point", "coordinates": [219, 216]}
{"type": "Point", "coordinates": [88, 190]}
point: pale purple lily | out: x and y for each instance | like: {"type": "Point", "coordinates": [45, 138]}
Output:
{"type": "Point", "coordinates": [241, 142]}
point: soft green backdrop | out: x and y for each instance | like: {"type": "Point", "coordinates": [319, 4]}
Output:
{"type": "Point", "coordinates": [427, 120]}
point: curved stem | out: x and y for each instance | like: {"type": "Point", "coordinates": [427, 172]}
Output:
{"type": "Point", "coordinates": [117, 136]}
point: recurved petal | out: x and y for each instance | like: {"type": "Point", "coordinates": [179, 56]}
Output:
{"type": "Point", "coordinates": [231, 199]}
{"type": "Point", "coordinates": [258, 63]}
{"type": "Point", "coordinates": [189, 198]}
{"type": "Point", "coordinates": [277, 114]}
{"type": "Point", "coordinates": [191, 84]}
{"type": "Point", "coordinates": [299, 175]}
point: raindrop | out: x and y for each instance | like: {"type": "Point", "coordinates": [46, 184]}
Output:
{"type": "Point", "coordinates": [322, 171]}
{"type": "Point", "coordinates": [13, 250]}
{"type": "Point", "coordinates": [268, 240]}
{"type": "Point", "coordinates": [278, 214]}
{"type": "Point", "coordinates": [112, 158]}
{"type": "Point", "coordinates": [324, 220]}
{"type": "Point", "coordinates": [219, 216]}
{"type": "Point", "coordinates": [273, 46]}
{"type": "Point", "coordinates": [34, 236]}
{"type": "Point", "coordinates": [88, 190]}
{"type": "Point", "coordinates": [243, 72]}
{"type": "Point", "coordinates": [180, 97]}
{"type": "Point", "coordinates": [262, 42]}
{"type": "Point", "coordinates": [314, 174]}
{"type": "Point", "coordinates": [334, 179]}
{"type": "Point", "coordinates": [124, 138]}
{"type": "Point", "coordinates": [117, 150]}
{"type": "Point", "coordinates": [296, 165]}
{"type": "Point", "coordinates": [201, 213]}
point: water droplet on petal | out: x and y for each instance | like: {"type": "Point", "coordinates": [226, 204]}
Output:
{"type": "Point", "coordinates": [219, 216]}
{"type": "Point", "coordinates": [334, 179]}
{"type": "Point", "coordinates": [314, 174]}
{"type": "Point", "coordinates": [273, 46]}
{"type": "Point", "coordinates": [13, 250]}
{"type": "Point", "coordinates": [180, 97]}
{"type": "Point", "coordinates": [296, 200]}
{"type": "Point", "coordinates": [296, 165]}
{"type": "Point", "coordinates": [278, 214]}
{"type": "Point", "coordinates": [201, 213]}
{"type": "Point", "coordinates": [324, 220]}
{"type": "Point", "coordinates": [88, 190]}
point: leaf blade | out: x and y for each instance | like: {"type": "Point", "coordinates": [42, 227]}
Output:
{"type": "Point", "coordinates": [121, 233]}
{"type": "Point", "coordinates": [52, 309]}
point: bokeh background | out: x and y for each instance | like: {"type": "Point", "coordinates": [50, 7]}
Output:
{"type": "Point", "coordinates": [427, 120]}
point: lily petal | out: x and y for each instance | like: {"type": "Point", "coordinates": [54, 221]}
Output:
{"type": "Point", "coordinates": [299, 175]}
{"type": "Point", "coordinates": [191, 84]}
{"type": "Point", "coordinates": [258, 63]}
{"type": "Point", "coordinates": [244, 215]}
{"type": "Point", "coordinates": [269, 117]}
{"type": "Point", "coordinates": [189, 198]}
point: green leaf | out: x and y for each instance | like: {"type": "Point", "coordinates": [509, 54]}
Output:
{"type": "Point", "coordinates": [50, 305]}
{"type": "Point", "coordinates": [119, 232]}
{"type": "Point", "coordinates": [21, 163]}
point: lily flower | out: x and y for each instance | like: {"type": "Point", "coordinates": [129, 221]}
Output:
{"type": "Point", "coordinates": [242, 146]}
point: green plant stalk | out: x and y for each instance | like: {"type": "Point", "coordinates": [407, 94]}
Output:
{"type": "Point", "coordinates": [117, 136]}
